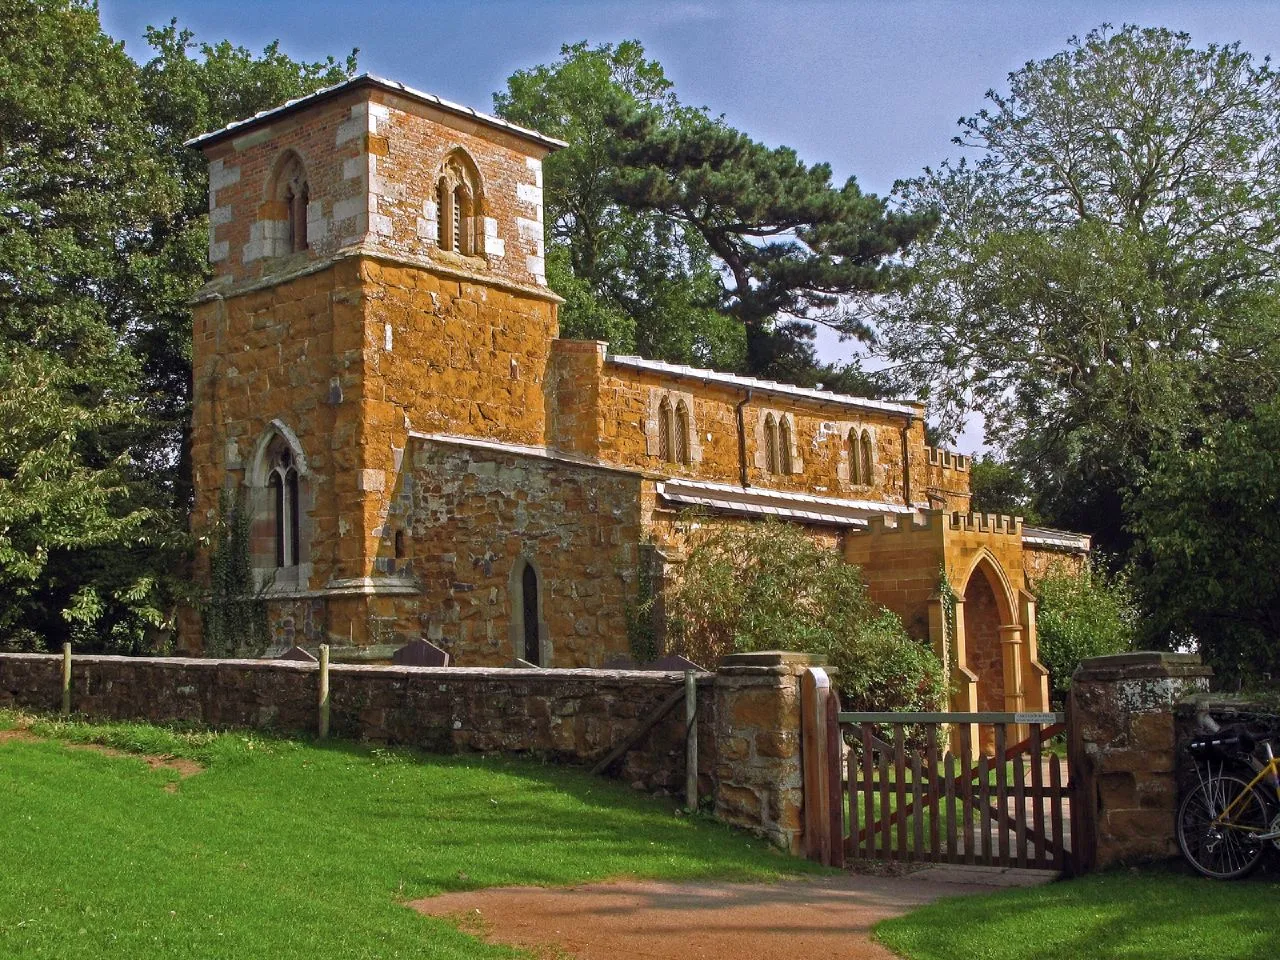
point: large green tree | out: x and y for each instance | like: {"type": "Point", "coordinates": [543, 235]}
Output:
{"type": "Point", "coordinates": [634, 278]}
{"type": "Point", "coordinates": [1105, 271]}
{"type": "Point", "coordinates": [103, 240]}
{"type": "Point", "coordinates": [1103, 286]}
{"type": "Point", "coordinates": [673, 233]}
{"type": "Point", "coordinates": [1209, 520]}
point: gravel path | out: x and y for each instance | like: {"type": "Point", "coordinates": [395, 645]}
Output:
{"type": "Point", "coordinates": [632, 920]}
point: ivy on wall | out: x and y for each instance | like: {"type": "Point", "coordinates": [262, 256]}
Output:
{"type": "Point", "coordinates": [235, 611]}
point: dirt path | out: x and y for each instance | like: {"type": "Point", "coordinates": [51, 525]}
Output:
{"type": "Point", "coordinates": [182, 766]}
{"type": "Point", "coordinates": [631, 920]}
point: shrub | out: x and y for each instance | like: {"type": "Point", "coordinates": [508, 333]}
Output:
{"type": "Point", "coordinates": [768, 586]}
{"type": "Point", "coordinates": [1081, 613]}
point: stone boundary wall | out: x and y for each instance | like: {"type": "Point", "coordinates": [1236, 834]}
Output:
{"type": "Point", "coordinates": [573, 716]}
{"type": "Point", "coordinates": [1123, 749]}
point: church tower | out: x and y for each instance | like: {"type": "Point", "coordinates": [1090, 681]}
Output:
{"type": "Point", "coordinates": [379, 272]}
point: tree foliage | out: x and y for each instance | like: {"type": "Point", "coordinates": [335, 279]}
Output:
{"type": "Point", "coordinates": [102, 242]}
{"type": "Point", "coordinates": [768, 586]}
{"type": "Point", "coordinates": [1209, 519]}
{"type": "Point", "coordinates": [715, 248]}
{"type": "Point", "coordinates": [1081, 613]}
{"type": "Point", "coordinates": [997, 486]}
{"type": "Point", "coordinates": [1103, 287]}
{"type": "Point", "coordinates": [1104, 276]}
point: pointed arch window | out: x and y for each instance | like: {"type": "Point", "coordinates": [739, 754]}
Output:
{"type": "Point", "coordinates": [854, 452]}
{"type": "Point", "coordinates": [867, 457]}
{"type": "Point", "coordinates": [666, 429]}
{"type": "Point", "coordinates": [291, 190]}
{"type": "Point", "coordinates": [458, 206]}
{"type": "Point", "coordinates": [770, 443]}
{"type": "Point", "coordinates": [784, 445]}
{"type": "Point", "coordinates": [282, 482]}
{"type": "Point", "coordinates": [682, 433]}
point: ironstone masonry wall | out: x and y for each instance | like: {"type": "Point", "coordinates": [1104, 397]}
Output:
{"type": "Point", "coordinates": [1124, 749]}
{"type": "Point", "coordinates": [752, 706]}
{"type": "Point", "coordinates": [570, 715]}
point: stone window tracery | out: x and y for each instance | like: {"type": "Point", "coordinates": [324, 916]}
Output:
{"type": "Point", "coordinates": [459, 206]}
{"type": "Point", "coordinates": [670, 427]}
{"type": "Point", "coordinates": [282, 481]}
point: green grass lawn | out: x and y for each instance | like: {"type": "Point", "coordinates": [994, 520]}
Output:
{"type": "Point", "coordinates": [1153, 914]}
{"type": "Point", "coordinates": [287, 849]}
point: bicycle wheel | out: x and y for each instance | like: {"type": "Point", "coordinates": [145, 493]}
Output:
{"type": "Point", "coordinates": [1226, 850]}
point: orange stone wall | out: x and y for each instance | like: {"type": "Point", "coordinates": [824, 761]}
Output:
{"type": "Point", "coordinates": [471, 515]}
{"type": "Point", "coordinates": [599, 409]}
{"type": "Point", "coordinates": [275, 354]}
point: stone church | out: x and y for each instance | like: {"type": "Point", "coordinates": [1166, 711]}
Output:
{"type": "Point", "coordinates": [377, 370]}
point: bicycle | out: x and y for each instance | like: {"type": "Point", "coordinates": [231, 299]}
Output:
{"type": "Point", "coordinates": [1226, 821]}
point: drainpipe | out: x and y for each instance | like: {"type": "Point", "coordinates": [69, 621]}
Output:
{"type": "Point", "coordinates": [906, 463]}
{"type": "Point", "coordinates": [742, 439]}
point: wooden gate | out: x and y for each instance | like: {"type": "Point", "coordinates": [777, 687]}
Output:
{"type": "Point", "coordinates": [972, 788]}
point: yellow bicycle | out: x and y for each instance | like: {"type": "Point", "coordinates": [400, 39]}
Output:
{"type": "Point", "coordinates": [1226, 822]}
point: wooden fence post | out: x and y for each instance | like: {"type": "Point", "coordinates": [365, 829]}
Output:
{"type": "Point", "coordinates": [690, 740]}
{"type": "Point", "coordinates": [324, 690]}
{"type": "Point", "coordinates": [835, 780]}
{"type": "Point", "coordinates": [66, 679]}
{"type": "Point", "coordinates": [815, 688]}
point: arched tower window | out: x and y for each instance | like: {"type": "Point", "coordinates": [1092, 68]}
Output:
{"type": "Point", "coordinates": [770, 443]}
{"type": "Point", "coordinates": [665, 430]}
{"type": "Point", "coordinates": [784, 445]}
{"type": "Point", "coordinates": [459, 205]}
{"type": "Point", "coordinates": [854, 452]}
{"type": "Point", "coordinates": [868, 458]}
{"type": "Point", "coordinates": [277, 482]}
{"type": "Point", "coordinates": [682, 433]}
{"type": "Point", "coordinates": [282, 481]}
{"type": "Point", "coordinates": [291, 190]}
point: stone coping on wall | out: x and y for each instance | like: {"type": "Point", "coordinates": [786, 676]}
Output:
{"type": "Point", "coordinates": [1144, 663]}
{"type": "Point", "coordinates": [643, 677]}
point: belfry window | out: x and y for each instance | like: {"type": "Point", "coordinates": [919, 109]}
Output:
{"type": "Point", "coordinates": [458, 206]}
{"type": "Point", "coordinates": [291, 192]}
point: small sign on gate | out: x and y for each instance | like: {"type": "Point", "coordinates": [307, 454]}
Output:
{"type": "Point", "coordinates": [1045, 718]}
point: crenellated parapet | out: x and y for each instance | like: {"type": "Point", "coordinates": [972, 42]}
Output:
{"type": "Point", "coordinates": [988, 523]}
{"type": "Point", "coordinates": [948, 460]}
{"type": "Point", "coordinates": [886, 525]}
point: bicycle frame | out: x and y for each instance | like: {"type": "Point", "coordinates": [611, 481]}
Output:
{"type": "Point", "coordinates": [1268, 774]}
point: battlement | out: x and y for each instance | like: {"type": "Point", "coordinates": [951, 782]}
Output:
{"type": "Point", "coordinates": [987, 523]}
{"type": "Point", "coordinates": [905, 525]}
{"type": "Point", "coordinates": [948, 460]}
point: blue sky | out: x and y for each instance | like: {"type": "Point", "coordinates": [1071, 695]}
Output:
{"type": "Point", "coordinates": [873, 88]}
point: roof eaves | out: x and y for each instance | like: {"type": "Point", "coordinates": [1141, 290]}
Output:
{"type": "Point", "coordinates": [772, 387]}
{"type": "Point", "coordinates": [368, 79]}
